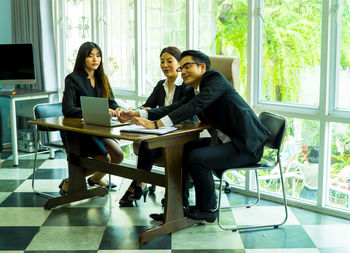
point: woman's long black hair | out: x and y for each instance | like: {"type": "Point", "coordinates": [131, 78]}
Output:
{"type": "Point", "coordinates": [100, 76]}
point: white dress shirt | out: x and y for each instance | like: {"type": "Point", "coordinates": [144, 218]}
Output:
{"type": "Point", "coordinates": [169, 94]}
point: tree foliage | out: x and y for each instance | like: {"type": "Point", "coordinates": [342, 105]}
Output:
{"type": "Point", "coordinates": [292, 42]}
{"type": "Point", "coordinates": [291, 47]}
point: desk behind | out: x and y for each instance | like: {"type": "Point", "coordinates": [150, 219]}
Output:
{"type": "Point", "coordinates": [21, 95]}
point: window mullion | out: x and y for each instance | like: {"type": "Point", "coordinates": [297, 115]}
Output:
{"type": "Point", "coordinates": [257, 52]}
{"type": "Point", "coordinates": [190, 23]}
{"type": "Point", "coordinates": [140, 84]}
{"type": "Point", "coordinates": [250, 54]}
{"type": "Point", "coordinates": [58, 15]}
{"type": "Point", "coordinates": [62, 38]}
{"type": "Point", "coordinates": [334, 54]}
{"type": "Point", "coordinates": [330, 46]}
{"type": "Point", "coordinates": [102, 17]}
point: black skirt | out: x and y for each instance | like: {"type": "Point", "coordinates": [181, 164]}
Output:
{"type": "Point", "coordinates": [89, 145]}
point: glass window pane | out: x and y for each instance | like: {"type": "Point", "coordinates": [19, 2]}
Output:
{"type": "Point", "coordinates": [236, 178]}
{"type": "Point", "coordinates": [165, 26]}
{"type": "Point", "coordinates": [300, 159]}
{"type": "Point", "coordinates": [291, 52]}
{"type": "Point", "coordinates": [206, 22]}
{"type": "Point", "coordinates": [344, 64]}
{"type": "Point", "coordinates": [120, 44]}
{"type": "Point", "coordinates": [77, 29]}
{"type": "Point", "coordinates": [339, 174]}
{"type": "Point", "coordinates": [231, 35]}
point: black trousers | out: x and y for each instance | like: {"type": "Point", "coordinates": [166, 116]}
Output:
{"type": "Point", "coordinates": [146, 157]}
{"type": "Point", "coordinates": [200, 160]}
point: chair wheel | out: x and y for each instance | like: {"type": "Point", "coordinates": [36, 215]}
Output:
{"type": "Point", "coordinates": [152, 188]}
{"type": "Point", "coordinates": [227, 189]}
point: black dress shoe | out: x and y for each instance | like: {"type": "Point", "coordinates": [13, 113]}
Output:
{"type": "Point", "coordinates": [160, 216]}
{"type": "Point", "coordinates": [202, 215]}
{"type": "Point", "coordinates": [89, 181]}
{"type": "Point", "coordinates": [157, 216]}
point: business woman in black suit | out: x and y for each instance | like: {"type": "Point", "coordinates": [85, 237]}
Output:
{"type": "Point", "coordinates": [88, 79]}
{"type": "Point", "coordinates": [166, 92]}
{"type": "Point", "coordinates": [241, 135]}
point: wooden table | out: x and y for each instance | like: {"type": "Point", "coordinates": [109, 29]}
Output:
{"type": "Point", "coordinates": [172, 144]}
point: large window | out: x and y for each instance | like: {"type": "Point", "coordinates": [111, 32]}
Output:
{"type": "Point", "coordinates": [108, 23]}
{"type": "Point", "coordinates": [300, 161]}
{"type": "Point", "coordinates": [119, 43]}
{"type": "Point", "coordinates": [291, 51]}
{"type": "Point", "coordinates": [165, 26]}
{"type": "Point", "coordinates": [339, 173]}
{"type": "Point", "coordinates": [231, 36]}
{"type": "Point", "coordinates": [343, 101]}
{"type": "Point", "coordinates": [205, 27]}
{"type": "Point", "coordinates": [78, 29]}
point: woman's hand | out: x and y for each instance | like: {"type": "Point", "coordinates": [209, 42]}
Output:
{"type": "Point", "coordinates": [112, 113]}
{"type": "Point", "coordinates": [143, 122]}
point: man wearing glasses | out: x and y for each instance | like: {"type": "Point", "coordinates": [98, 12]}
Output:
{"type": "Point", "coordinates": [240, 134]}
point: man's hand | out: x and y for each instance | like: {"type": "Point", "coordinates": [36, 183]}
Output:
{"type": "Point", "coordinates": [125, 115]}
{"type": "Point", "coordinates": [143, 122]}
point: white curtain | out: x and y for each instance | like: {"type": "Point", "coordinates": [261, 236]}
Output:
{"type": "Point", "coordinates": [32, 22]}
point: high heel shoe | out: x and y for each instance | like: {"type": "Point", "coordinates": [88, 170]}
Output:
{"type": "Point", "coordinates": [138, 192]}
{"type": "Point", "coordinates": [61, 191]}
{"type": "Point", "coordinates": [125, 201]}
{"type": "Point", "coordinates": [89, 181]}
{"type": "Point", "coordinates": [152, 189]}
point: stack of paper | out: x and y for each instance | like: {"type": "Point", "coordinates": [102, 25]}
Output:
{"type": "Point", "coordinates": [141, 129]}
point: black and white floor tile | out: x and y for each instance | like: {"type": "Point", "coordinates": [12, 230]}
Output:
{"type": "Point", "coordinates": [99, 225]}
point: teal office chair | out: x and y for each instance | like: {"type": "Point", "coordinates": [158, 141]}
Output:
{"type": "Point", "coordinates": [276, 125]}
{"type": "Point", "coordinates": [42, 135]}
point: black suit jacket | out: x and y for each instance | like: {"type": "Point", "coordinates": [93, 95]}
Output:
{"type": "Point", "coordinates": [219, 104]}
{"type": "Point", "coordinates": [157, 97]}
{"type": "Point", "coordinates": [76, 85]}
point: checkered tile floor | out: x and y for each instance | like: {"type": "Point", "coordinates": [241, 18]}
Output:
{"type": "Point", "coordinates": [99, 225]}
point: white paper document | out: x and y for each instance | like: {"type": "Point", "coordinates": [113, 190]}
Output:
{"type": "Point", "coordinates": [141, 129]}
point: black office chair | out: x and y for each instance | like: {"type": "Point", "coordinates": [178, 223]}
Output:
{"type": "Point", "coordinates": [276, 125]}
{"type": "Point", "coordinates": [42, 134]}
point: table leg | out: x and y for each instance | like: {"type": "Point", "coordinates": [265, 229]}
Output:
{"type": "Point", "coordinates": [174, 218]}
{"type": "Point", "coordinates": [13, 132]}
{"type": "Point", "coordinates": [70, 198]}
{"type": "Point", "coordinates": [77, 189]}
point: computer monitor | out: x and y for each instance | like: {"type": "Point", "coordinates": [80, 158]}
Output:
{"type": "Point", "coordinates": [16, 64]}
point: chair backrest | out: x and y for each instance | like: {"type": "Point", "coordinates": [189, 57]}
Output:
{"type": "Point", "coordinates": [276, 124]}
{"type": "Point", "coordinates": [228, 66]}
{"type": "Point", "coordinates": [47, 110]}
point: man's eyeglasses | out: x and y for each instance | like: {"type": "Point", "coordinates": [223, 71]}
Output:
{"type": "Point", "coordinates": [186, 66]}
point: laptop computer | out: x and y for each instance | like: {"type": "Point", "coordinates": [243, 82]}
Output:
{"type": "Point", "coordinates": [96, 112]}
